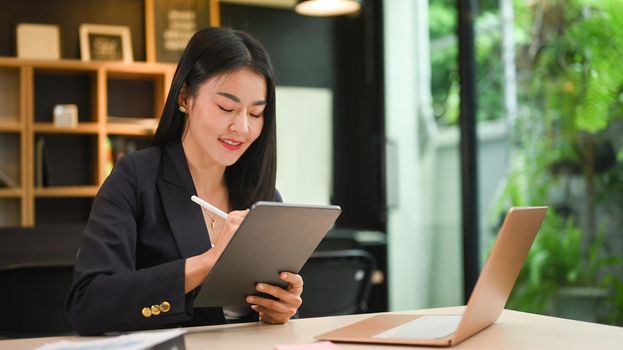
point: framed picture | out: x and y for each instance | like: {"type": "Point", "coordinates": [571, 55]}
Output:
{"type": "Point", "coordinates": [169, 24]}
{"type": "Point", "coordinates": [105, 43]}
{"type": "Point", "coordinates": [41, 41]}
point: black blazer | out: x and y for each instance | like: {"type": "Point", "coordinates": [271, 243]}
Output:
{"type": "Point", "coordinates": [141, 228]}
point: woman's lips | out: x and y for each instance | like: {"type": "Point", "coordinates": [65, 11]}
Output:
{"type": "Point", "coordinates": [231, 144]}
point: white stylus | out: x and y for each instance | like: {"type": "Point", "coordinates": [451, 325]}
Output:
{"type": "Point", "coordinates": [210, 207]}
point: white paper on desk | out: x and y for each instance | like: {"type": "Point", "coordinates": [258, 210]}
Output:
{"type": "Point", "coordinates": [133, 341]}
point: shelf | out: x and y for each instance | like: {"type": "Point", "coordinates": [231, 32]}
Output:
{"type": "Point", "coordinates": [131, 126]}
{"type": "Point", "coordinates": [49, 64]}
{"type": "Point", "coordinates": [66, 191]}
{"type": "Point", "coordinates": [129, 129]}
{"type": "Point", "coordinates": [55, 172]}
{"type": "Point", "coordinates": [10, 192]}
{"type": "Point", "coordinates": [66, 64]}
{"type": "Point", "coordinates": [138, 68]}
{"type": "Point", "coordinates": [81, 128]}
{"type": "Point", "coordinates": [10, 127]}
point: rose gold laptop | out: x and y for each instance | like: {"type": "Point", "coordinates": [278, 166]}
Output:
{"type": "Point", "coordinates": [483, 308]}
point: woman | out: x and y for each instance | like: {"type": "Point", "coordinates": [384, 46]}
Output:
{"type": "Point", "coordinates": [146, 246]}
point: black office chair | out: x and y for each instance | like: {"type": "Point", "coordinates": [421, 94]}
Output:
{"type": "Point", "coordinates": [36, 271]}
{"type": "Point", "coordinates": [337, 282]}
{"type": "Point", "coordinates": [33, 298]}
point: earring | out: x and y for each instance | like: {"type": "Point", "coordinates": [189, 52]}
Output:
{"type": "Point", "coordinates": [182, 109]}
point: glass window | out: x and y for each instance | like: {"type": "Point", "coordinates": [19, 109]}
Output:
{"type": "Point", "coordinates": [551, 70]}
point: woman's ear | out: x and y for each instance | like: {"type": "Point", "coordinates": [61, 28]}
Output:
{"type": "Point", "coordinates": [182, 98]}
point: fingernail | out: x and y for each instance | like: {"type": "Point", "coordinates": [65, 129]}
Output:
{"type": "Point", "coordinates": [254, 307]}
{"type": "Point", "coordinates": [260, 286]}
{"type": "Point", "coordinates": [250, 299]}
{"type": "Point", "coordinates": [284, 276]}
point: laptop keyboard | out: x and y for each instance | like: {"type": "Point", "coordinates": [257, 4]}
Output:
{"type": "Point", "coordinates": [425, 327]}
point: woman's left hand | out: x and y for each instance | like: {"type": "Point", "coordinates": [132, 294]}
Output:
{"type": "Point", "coordinates": [287, 300]}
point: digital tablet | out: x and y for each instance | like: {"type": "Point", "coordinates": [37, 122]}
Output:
{"type": "Point", "coordinates": [274, 237]}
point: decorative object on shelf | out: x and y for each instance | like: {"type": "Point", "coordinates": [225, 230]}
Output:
{"type": "Point", "coordinates": [6, 181]}
{"type": "Point", "coordinates": [66, 116]}
{"type": "Point", "coordinates": [40, 41]}
{"type": "Point", "coordinates": [327, 7]}
{"type": "Point", "coordinates": [105, 43]}
{"type": "Point", "coordinates": [108, 163]}
{"type": "Point", "coordinates": [169, 24]}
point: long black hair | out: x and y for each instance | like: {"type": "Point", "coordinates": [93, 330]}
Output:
{"type": "Point", "coordinates": [212, 52]}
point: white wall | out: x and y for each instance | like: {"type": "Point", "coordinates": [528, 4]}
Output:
{"type": "Point", "coordinates": [406, 89]}
{"type": "Point", "coordinates": [304, 144]}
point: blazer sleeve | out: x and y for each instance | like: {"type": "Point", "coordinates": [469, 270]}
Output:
{"type": "Point", "coordinates": [108, 293]}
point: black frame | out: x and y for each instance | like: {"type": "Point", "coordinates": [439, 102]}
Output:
{"type": "Point", "coordinates": [467, 12]}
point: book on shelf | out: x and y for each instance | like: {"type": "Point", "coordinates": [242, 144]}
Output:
{"type": "Point", "coordinates": [120, 146]}
{"type": "Point", "coordinates": [39, 145]}
{"type": "Point", "coordinates": [63, 161]}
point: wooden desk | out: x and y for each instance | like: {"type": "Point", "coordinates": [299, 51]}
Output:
{"type": "Point", "coordinates": [514, 330]}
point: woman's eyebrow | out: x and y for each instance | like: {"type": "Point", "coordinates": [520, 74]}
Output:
{"type": "Point", "coordinates": [237, 99]}
{"type": "Point", "coordinates": [229, 96]}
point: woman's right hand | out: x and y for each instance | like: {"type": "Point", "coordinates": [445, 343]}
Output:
{"type": "Point", "coordinates": [199, 266]}
{"type": "Point", "coordinates": [229, 228]}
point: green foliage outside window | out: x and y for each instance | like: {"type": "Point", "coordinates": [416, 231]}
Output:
{"type": "Point", "coordinates": [567, 137]}
{"type": "Point", "coordinates": [568, 152]}
{"type": "Point", "coordinates": [444, 66]}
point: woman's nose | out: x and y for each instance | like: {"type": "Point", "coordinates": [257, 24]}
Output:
{"type": "Point", "coordinates": [240, 124]}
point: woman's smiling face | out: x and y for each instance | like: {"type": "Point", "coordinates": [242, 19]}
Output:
{"type": "Point", "coordinates": [226, 115]}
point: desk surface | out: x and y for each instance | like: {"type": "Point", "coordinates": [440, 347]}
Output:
{"type": "Point", "coordinates": [514, 330]}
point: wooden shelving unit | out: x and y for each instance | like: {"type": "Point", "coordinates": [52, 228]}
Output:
{"type": "Point", "coordinates": [10, 127]}
{"type": "Point", "coordinates": [66, 191]}
{"type": "Point", "coordinates": [49, 166]}
{"type": "Point", "coordinates": [10, 192]}
{"type": "Point", "coordinates": [82, 128]}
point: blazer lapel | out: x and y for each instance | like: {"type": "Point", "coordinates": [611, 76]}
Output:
{"type": "Point", "coordinates": [175, 185]}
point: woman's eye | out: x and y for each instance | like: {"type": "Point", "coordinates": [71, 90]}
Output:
{"type": "Point", "coordinates": [225, 109]}
{"type": "Point", "coordinates": [255, 115]}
